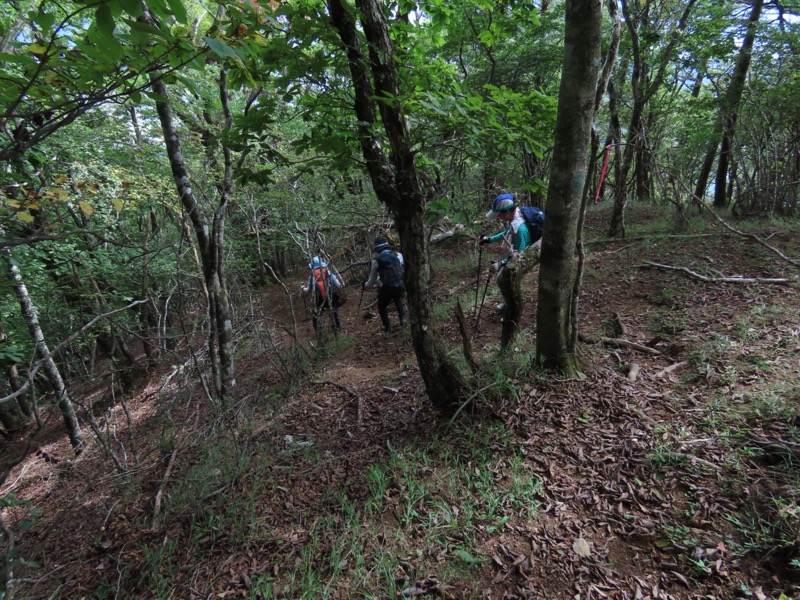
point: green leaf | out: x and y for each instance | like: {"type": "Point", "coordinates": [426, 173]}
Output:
{"type": "Point", "coordinates": [104, 21]}
{"type": "Point", "coordinates": [132, 7]}
{"type": "Point", "coordinates": [17, 59]}
{"type": "Point", "coordinates": [179, 10]}
{"type": "Point", "coordinates": [44, 19]}
{"type": "Point", "coordinates": [144, 28]}
{"type": "Point", "coordinates": [467, 557]}
{"type": "Point", "coordinates": [221, 49]}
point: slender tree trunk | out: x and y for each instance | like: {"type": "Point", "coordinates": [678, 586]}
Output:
{"type": "Point", "coordinates": [576, 101]}
{"type": "Point", "coordinates": [729, 110]}
{"type": "Point", "coordinates": [397, 184]}
{"type": "Point", "coordinates": [48, 364]}
{"type": "Point", "coordinates": [642, 93]}
{"type": "Point", "coordinates": [17, 412]}
{"type": "Point", "coordinates": [210, 246]}
{"type": "Point", "coordinates": [603, 85]}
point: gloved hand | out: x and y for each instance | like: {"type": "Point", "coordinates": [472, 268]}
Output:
{"type": "Point", "coordinates": [483, 239]}
{"type": "Point", "coordinates": [363, 285]}
{"type": "Point", "coordinates": [495, 266]}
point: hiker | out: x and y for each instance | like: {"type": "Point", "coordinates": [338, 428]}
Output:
{"type": "Point", "coordinates": [524, 227]}
{"type": "Point", "coordinates": [388, 273]}
{"type": "Point", "coordinates": [326, 288]}
{"type": "Point", "coordinates": [520, 232]}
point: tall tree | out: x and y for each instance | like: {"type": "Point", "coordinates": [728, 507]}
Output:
{"type": "Point", "coordinates": [576, 107]}
{"type": "Point", "coordinates": [643, 87]}
{"type": "Point", "coordinates": [729, 112]}
{"type": "Point", "coordinates": [49, 366]}
{"type": "Point", "coordinates": [209, 241]}
{"type": "Point", "coordinates": [397, 182]}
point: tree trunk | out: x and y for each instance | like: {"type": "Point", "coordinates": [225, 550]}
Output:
{"type": "Point", "coordinates": [397, 184]}
{"type": "Point", "coordinates": [641, 96]}
{"type": "Point", "coordinates": [42, 350]}
{"type": "Point", "coordinates": [567, 177]}
{"type": "Point", "coordinates": [726, 124]}
{"type": "Point", "coordinates": [210, 246]}
{"type": "Point", "coordinates": [509, 282]}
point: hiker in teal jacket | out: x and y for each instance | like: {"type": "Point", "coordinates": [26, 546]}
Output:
{"type": "Point", "coordinates": [516, 236]}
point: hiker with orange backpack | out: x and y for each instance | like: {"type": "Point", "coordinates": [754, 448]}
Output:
{"type": "Point", "coordinates": [326, 287]}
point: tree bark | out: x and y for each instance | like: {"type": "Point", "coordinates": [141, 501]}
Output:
{"type": "Point", "coordinates": [397, 184]}
{"type": "Point", "coordinates": [641, 96]}
{"type": "Point", "coordinates": [729, 111]}
{"type": "Point", "coordinates": [734, 100]}
{"type": "Point", "coordinates": [509, 282]}
{"type": "Point", "coordinates": [210, 246]}
{"type": "Point", "coordinates": [567, 177]}
{"type": "Point", "coordinates": [48, 364]}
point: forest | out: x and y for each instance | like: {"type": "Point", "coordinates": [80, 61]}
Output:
{"type": "Point", "coordinates": [611, 412]}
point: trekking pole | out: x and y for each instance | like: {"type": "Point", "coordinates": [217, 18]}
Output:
{"type": "Point", "coordinates": [478, 319]}
{"type": "Point", "coordinates": [361, 298]}
{"type": "Point", "coordinates": [478, 278]}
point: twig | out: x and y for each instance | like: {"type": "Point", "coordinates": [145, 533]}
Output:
{"type": "Point", "coordinates": [619, 342]}
{"type": "Point", "coordinates": [352, 394]}
{"type": "Point", "coordinates": [470, 399]}
{"type": "Point", "coordinates": [157, 503]}
{"type": "Point", "coordinates": [670, 368]}
{"type": "Point", "coordinates": [695, 275]}
{"type": "Point", "coordinates": [751, 236]}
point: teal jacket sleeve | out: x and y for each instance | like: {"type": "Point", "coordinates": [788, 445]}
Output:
{"type": "Point", "coordinates": [521, 239]}
{"type": "Point", "coordinates": [498, 236]}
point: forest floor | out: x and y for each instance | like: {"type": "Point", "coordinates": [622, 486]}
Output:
{"type": "Point", "coordinates": [333, 477]}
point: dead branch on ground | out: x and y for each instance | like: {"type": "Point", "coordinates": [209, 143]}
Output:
{"type": "Point", "coordinates": [618, 342]}
{"type": "Point", "coordinates": [721, 279]}
{"type": "Point", "coordinates": [751, 236]}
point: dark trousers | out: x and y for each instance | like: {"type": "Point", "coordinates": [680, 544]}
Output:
{"type": "Point", "coordinates": [325, 303]}
{"type": "Point", "coordinates": [387, 295]}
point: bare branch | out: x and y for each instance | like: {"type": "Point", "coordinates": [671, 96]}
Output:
{"type": "Point", "coordinates": [35, 367]}
{"type": "Point", "coordinates": [721, 279]}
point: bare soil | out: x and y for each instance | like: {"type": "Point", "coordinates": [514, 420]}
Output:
{"type": "Point", "coordinates": [653, 487]}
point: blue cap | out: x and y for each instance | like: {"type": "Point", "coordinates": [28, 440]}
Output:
{"type": "Point", "coordinates": [316, 263]}
{"type": "Point", "coordinates": [502, 203]}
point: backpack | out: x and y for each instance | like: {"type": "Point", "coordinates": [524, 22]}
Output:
{"type": "Point", "coordinates": [323, 283]}
{"type": "Point", "coordinates": [534, 219]}
{"type": "Point", "coordinates": [390, 269]}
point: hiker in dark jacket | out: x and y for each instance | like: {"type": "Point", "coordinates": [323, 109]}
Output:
{"type": "Point", "coordinates": [388, 273]}
{"type": "Point", "coordinates": [326, 288]}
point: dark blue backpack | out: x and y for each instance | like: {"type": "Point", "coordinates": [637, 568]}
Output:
{"type": "Point", "coordinates": [390, 269]}
{"type": "Point", "coordinates": [534, 218]}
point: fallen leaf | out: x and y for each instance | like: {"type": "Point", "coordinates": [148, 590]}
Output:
{"type": "Point", "coordinates": [581, 547]}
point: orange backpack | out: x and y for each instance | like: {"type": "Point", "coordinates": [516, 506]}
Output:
{"type": "Point", "coordinates": [322, 282]}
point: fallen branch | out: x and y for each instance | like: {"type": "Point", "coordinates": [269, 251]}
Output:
{"type": "Point", "coordinates": [751, 236]}
{"type": "Point", "coordinates": [618, 342]}
{"type": "Point", "coordinates": [440, 237]}
{"type": "Point", "coordinates": [706, 279]}
{"type": "Point", "coordinates": [352, 394]}
{"type": "Point", "coordinates": [670, 368]}
{"type": "Point", "coordinates": [159, 494]}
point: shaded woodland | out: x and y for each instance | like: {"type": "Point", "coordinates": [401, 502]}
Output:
{"type": "Point", "coordinates": [174, 428]}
